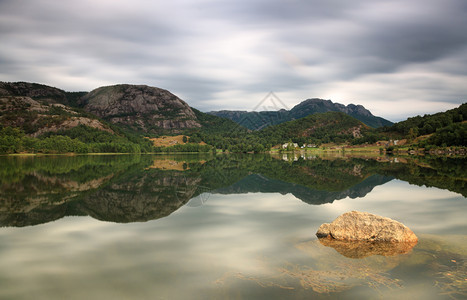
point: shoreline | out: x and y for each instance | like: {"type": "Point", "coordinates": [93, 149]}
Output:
{"type": "Point", "coordinates": [345, 152]}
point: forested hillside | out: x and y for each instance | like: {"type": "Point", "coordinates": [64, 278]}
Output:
{"type": "Point", "coordinates": [327, 127]}
{"type": "Point", "coordinates": [315, 129]}
{"type": "Point", "coordinates": [36, 118]}
{"type": "Point", "coordinates": [445, 128]}
{"type": "Point", "coordinates": [32, 119]}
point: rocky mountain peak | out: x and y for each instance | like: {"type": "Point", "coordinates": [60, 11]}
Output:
{"type": "Point", "coordinates": [315, 105]}
{"type": "Point", "coordinates": [358, 109]}
{"type": "Point", "coordinates": [141, 107]}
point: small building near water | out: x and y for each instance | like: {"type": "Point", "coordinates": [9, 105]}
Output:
{"type": "Point", "coordinates": [284, 146]}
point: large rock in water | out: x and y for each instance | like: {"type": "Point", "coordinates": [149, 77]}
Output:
{"type": "Point", "coordinates": [362, 226]}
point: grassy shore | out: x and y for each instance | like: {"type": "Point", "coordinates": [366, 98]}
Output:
{"type": "Point", "coordinates": [375, 150]}
{"type": "Point", "coordinates": [326, 149]}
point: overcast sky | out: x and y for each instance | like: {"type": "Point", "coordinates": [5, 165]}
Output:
{"type": "Point", "coordinates": [398, 58]}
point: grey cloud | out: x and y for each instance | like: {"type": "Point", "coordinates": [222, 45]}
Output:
{"type": "Point", "coordinates": [386, 44]}
{"type": "Point", "coordinates": [263, 12]}
{"type": "Point", "coordinates": [201, 49]}
{"type": "Point", "coordinates": [425, 42]}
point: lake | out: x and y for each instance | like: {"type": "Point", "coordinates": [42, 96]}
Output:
{"type": "Point", "coordinates": [226, 227]}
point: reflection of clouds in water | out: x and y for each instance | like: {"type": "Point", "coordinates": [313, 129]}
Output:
{"type": "Point", "coordinates": [429, 210]}
{"type": "Point", "coordinates": [257, 202]}
{"type": "Point", "coordinates": [233, 228]}
{"type": "Point", "coordinates": [194, 246]}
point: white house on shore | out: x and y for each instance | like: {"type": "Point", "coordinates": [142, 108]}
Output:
{"type": "Point", "coordinates": [295, 145]}
{"type": "Point", "coordinates": [284, 146]}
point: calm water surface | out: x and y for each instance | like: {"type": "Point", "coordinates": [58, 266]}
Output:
{"type": "Point", "coordinates": [225, 227]}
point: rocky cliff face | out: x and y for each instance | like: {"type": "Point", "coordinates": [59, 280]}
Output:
{"type": "Point", "coordinates": [32, 90]}
{"type": "Point", "coordinates": [37, 117]}
{"type": "Point", "coordinates": [140, 107]}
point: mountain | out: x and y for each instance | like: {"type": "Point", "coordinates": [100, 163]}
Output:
{"type": "Point", "coordinates": [146, 109]}
{"type": "Point", "coordinates": [259, 120]}
{"type": "Point", "coordinates": [312, 106]}
{"type": "Point", "coordinates": [33, 91]}
{"type": "Point", "coordinates": [38, 109]}
{"type": "Point", "coordinates": [140, 108]}
{"type": "Point", "coordinates": [40, 92]}
{"type": "Point", "coordinates": [42, 119]}
{"type": "Point", "coordinates": [315, 129]}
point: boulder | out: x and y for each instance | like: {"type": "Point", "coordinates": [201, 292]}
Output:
{"type": "Point", "coordinates": [362, 226]}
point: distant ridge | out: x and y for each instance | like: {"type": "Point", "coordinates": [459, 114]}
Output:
{"type": "Point", "coordinates": [256, 120]}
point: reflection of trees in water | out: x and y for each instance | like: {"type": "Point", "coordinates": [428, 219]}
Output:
{"type": "Point", "coordinates": [148, 197]}
{"type": "Point", "coordinates": [447, 173]}
{"type": "Point", "coordinates": [256, 183]}
{"type": "Point", "coordinates": [118, 190]}
{"type": "Point", "coordinates": [124, 188]}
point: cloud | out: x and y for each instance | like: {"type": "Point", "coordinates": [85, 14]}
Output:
{"type": "Point", "coordinates": [230, 54]}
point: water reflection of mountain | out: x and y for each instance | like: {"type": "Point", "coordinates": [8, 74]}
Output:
{"type": "Point", "coordinates": [257, 183]}
{"type": "Point", "coordinates": [127, 192]}
{"type": "Point", "coordinates": [141, 188]}
{"type": "Point", "coordinates": [148, 196]}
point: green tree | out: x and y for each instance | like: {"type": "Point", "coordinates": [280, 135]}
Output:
{"type": "Point", "coordinates": [11, 140]}
{"type": "Point", "coordinates": [413, 133]}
